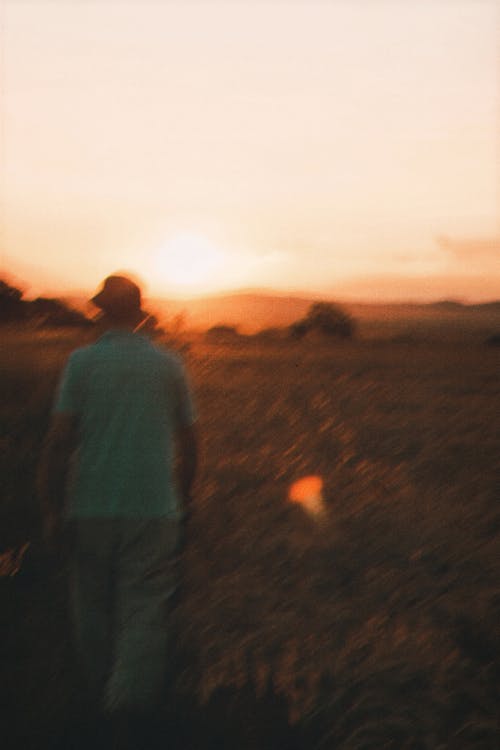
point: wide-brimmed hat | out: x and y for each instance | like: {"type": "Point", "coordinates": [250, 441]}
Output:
{"type": "Point", "coordinates": [118, 295]}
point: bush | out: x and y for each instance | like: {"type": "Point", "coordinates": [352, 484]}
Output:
{"type": "Point", "coordinates": [326, 318]}
{"type": "Point", "coordinates": [270, 335]}
{"type": "Point", "coordinates": [42, 311]}
{"type": "Point", "coordinates": [222, 334]}
{"type": "Point", "coordinates": [11, 304]}
{"type": "Point", "coordinates": [299, 329]}
{"type": "Point", "coordinates": [54, 313]}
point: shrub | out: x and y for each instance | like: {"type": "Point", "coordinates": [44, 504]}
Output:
{"type": "Point", "coordinates": [11, 304]}
{"type": "Point", "coordinates": [222, 334]}
{"type": "Point", "coordinates": [53, 312]}
{"type": "Point", "coordinates": [326, 318]}
{"type": "Point", "coordinates": [299, 329]}
{"type": "Point", "coordinates": [42, 311]}
{"type": "Point", "coordinates": [270, 335]}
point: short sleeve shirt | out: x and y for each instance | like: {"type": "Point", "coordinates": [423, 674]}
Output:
{"type": "Point", "coordinates": [129, 397]}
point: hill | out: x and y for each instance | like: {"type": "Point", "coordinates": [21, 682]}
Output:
{"type": "Point", "coordinates": [251, 312]}
{"type": "Point", "coordinates": [248, 311]}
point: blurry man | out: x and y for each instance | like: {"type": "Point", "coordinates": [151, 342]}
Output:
{"type": "Point", "coordinates": [122, 403]}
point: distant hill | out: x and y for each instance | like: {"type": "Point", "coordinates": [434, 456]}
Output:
{"type": "Point", "coordinates": [254, 311]}
{"type": "Point", "coordinates": [247, 311]}
{"type": "Point", "coordinates": [251, 312]}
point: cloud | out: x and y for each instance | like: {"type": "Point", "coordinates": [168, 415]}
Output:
{"type": "Point", "coordinates": [472, 249]}
{"type": "Point", "coordinates": [471, 287]}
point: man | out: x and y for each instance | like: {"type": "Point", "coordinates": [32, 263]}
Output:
{"type": "Point", "coordinates": [122, 403]}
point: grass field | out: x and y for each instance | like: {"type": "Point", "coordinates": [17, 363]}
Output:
{"type": "Point", "coordinates": [376, 627]}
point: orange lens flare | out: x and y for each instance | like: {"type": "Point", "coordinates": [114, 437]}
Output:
{"type": "Point", "coordinates": [308, 493]}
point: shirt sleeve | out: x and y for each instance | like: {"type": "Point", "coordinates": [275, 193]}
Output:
{"type": "Point", "coordinates": [185, 408]}
{"type": "Point", "coordinates": [68, 394]}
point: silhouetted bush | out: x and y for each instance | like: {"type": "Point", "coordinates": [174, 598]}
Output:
{"type": "Point", "coordinates": [42, 311]}
{"type": "Point", "coordinates": [11, 304]}
{"type": "Point", "coordinates": [222, 334]}
{"type": "Point", "coordinates": [326, 318]}
{"type": "Point", "coordinates": [270, 335]}
{"type": "Point", "coordinates": [53, 312]}
{"type": "Point", "coordinates": [299, 329]}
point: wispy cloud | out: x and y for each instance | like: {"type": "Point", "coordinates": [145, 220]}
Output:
{"type": "Point", "coordinates": [485, 249]}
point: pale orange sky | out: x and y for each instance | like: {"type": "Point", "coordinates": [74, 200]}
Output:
{"type": "Point", "coordinates": [282, 144]}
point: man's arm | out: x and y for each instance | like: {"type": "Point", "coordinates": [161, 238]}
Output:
{"type": "Point", "coordinates": [187, 461]}
{"type": "Point", "coordinates": [58, 446]}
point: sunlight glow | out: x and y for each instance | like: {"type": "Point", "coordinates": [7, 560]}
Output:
{"type": "Point", "coordinates": [189, 262]}
{"type": "Point", "coordinates": [328, 146]}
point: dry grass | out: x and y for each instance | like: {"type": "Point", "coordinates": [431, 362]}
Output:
{"type": "Point", "coordinates": [378, 625]}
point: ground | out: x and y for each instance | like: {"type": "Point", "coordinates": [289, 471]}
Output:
{"type": "Point", "coordinates": [372, 626]}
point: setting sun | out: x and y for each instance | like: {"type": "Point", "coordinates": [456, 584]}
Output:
{"type": "Point", "coordinates": [188, 263]}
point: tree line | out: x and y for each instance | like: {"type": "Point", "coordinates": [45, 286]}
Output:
{"type": "Point", "coordinates": [42, 310]}
{"type": "Point", "coordinates": [327, 319]}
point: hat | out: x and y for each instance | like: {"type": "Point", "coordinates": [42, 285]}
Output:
{"type": "Point", "coordinates": [118, 295]}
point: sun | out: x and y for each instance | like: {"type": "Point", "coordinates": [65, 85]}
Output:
{"type": "Point", "coordinates": [189, 263]}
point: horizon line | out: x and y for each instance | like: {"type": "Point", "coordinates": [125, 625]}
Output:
{"type": "Point", "coordinates": [332, 295]}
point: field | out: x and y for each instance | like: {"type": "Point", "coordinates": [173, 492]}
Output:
{"type": "Point", "coordinates": [373, 626]}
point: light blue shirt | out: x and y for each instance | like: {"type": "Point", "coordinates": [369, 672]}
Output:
{"type": "Point", "coordinates": [129, 397]}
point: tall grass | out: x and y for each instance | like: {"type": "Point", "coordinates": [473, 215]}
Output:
{"type": "Point", "coordinates": [379, 625]}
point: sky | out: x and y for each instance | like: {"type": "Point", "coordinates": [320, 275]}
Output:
{"type": "Point", "coordinates": [343, 148]}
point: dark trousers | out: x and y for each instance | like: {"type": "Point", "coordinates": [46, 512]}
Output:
{"type": "Point", "coordinates": [124, 577]}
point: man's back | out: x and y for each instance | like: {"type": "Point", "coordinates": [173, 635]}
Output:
{"type": "Point", "coordinates": [122, 402]}
{"type": "Point", "coordinates": [129, 397]}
